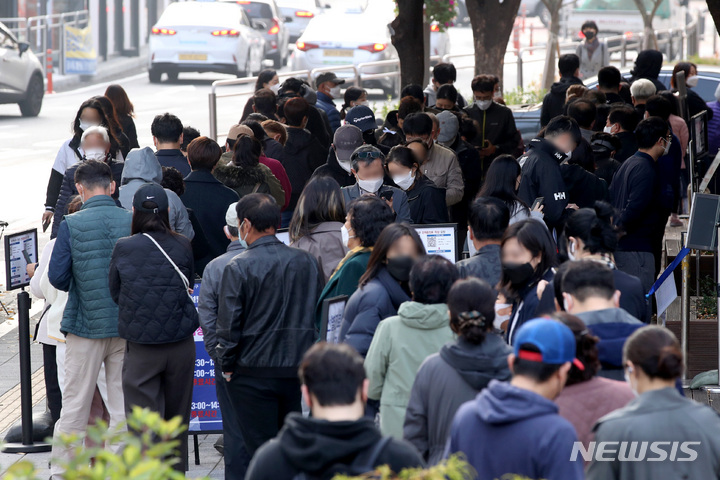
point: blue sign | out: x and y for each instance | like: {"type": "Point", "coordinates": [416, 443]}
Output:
{"type": "Point", "coordinates": [205, 410]}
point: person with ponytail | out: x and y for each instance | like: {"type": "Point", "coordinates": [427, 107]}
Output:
{"type": "Point", "coordinates": [353, 96]}
{"type": "Point", "coordinates": [588, 397]}
{"type": "Point", "coordinates": [686, 433]}
{"type": "Point", "coordinates": [590, 235]}
{"type": "Point", "coordinates": [459, 371]}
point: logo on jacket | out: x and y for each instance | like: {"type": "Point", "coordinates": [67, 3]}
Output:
{"type": "Point", "coordinates": [559, 196]}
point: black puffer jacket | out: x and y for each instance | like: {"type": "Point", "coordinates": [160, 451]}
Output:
{"type": "Point", "coordinates": [154, 306]}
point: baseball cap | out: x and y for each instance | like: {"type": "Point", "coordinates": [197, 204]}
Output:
{"type": "Point", "coordinates": [328, 77]}
{"type": "Point", "coordinates": [362, 117]}
{"type": "Point", "coordinates": [231, 218]}
{"type": "Point", "coordinates": [449, 126]}
{"type": "Point", "coordinates": [554, 340]}
{"type": "Point", "coordinates": [347, 138]}
{"type": "Point", "coordinates": [150, 198]}
{"type": "Point", "coordinates": [237, 130]}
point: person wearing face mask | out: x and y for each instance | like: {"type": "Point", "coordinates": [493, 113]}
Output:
{"type": "Point", "coordinates": [541, 173]}
{"type": "Point", "coordinates": [521, 415]}
{"type": "Point", "coordinates": [366, 218]}
{"type": "Point", "coordinates": [604, 147]}
{"type": "Point", "coordinates": [446, 99]}
{"type": "Point", "coordinates": [367, 168]}
{"type": "Point", "coordinates": [426, 201]}
{"type": "Point", "coordinates": [353, 97]}
{"type": "Point", "coordinates": [363, 117]}
{"type": "Point", "coordinates": [383, 287]}
{"type": "Point", "coordinates": [592, 52]}
{"type": "Point", "coordinates": [401, 343]}
{"type": "Point", "coordinates": [461, 370]}
{"type": "Point", "coordinates": [328, 89]}
{"type": "Point", "coordinates": [441, 164]}
{"type": "Point", "coordinates": [443, 73]}
{"type": "Point", "coordinates": [653, 363]}
{"type": "Point", "coordinates": [95, 144]}
{"type": "Point", "coordinates": [528, 255]}
{"type": "Point", "coordinates": [346, 140]}
{"type": "Point", "coordinates": [488, 221]}
{"type": "Point", "coordinates": [497, 133]}
{"type": "Point", "coordinates": [695, 103]}
{"type": "Point", "coordinates": [621, 123]}
{"type": "Point", "coordinates": [266, 79]}
{"type": "Point", "coordinates": [605, 395]}
{"type": "Point", "coordinates": [634, 196]}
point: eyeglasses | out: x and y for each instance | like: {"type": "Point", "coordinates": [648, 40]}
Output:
{"type": "Point", "coordinates": [369, 154]}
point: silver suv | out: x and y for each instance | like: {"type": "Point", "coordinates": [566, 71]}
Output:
{"type": "Point", "coordinates": [21, 77]}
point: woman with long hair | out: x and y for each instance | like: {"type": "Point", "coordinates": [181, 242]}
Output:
{"type": "Point", "coordinates": [695, 103]}
{"type": "Point", "coordinates": [244, 173]}
{"type": "Point", "coordinates": [114, 127]}
{"type": "Point", "coordinates": [150, 276]}
{"type": "Point", "coordinates": [384, 285]}
{"type": "Point", "coordinates": [317, 223]}
{"type": "Point", "coordinates": [125, 112]}
{"type": "Point", "coordinates": [352, 97]}
{"type": "Point", "coordinates": [267, 78]}
{"type": "Point", "coordinates": [502, 181]}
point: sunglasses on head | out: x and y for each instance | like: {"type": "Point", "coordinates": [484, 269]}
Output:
{"type": "Point", "coordinates": [367, 154]}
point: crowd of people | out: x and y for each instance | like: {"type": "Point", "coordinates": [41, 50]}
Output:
{"type": "Point", "coordinates": [537, 341]}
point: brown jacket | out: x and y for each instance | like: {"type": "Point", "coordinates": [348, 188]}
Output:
{"type": "Point", "coordinates": [443, 169]}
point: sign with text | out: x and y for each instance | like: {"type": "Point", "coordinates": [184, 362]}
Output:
{"type": "Point", "coordinates": [79, 54]}
{"type": "Point", "coordinates": [21, 249]}
{"type": "Point", "coordinates": [331, 318]}
{"type": "Point", "coordinates": [440, 239]}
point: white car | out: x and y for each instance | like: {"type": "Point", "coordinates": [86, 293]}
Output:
{"type": "Point", "coordinates": [439, 41]}
{"type": "Point", "coordinates": [21, 75]}
{"type": "Point", "coordinates": [298, 14]}
{"type": "Point", "coordinates": [204, 37]}
{"type": "Point", "coordinates": [347, 39]}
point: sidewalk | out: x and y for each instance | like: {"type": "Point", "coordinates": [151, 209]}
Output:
{"type": "Point", "coordinates": [114, 67]}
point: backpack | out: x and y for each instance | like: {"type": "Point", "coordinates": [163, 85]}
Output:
{"type": "Point", "coordinates": [362, 464]}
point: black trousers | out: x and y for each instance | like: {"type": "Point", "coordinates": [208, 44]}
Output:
{"type": "Point", "coordinates": [52, 387]}
{"type": "Point", "coordinates": [160, 377]}
{"type": "Point", "coordinates": [260, 406]}
{"type": "Point", "coordinates": [235, 454]}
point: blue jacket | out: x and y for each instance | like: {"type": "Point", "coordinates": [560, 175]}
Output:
{"type": "Point", "coordinates": [80, 264]}
{"type": "Point", "coordinates": [528, 305]}
{"type": "Point", "coordinates": [509, 430]}
{"type": "Point", "coordinates": [367, 307]}
{"type": "Point", "coordinates": [327, 105]}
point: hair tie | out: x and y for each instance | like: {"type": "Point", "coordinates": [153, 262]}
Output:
{"type": "Point", "coordinates": [387, 130]}
{"type": "Point", "coordinates": [473, 317]}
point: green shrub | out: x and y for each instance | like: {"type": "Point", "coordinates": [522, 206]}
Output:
{"type": "Point", "coordinates": [454, 468]}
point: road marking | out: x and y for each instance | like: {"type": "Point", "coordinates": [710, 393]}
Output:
{"type": "Point", "coordinates": [97, 86]}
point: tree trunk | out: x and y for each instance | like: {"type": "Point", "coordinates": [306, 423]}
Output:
{"type": "Point", "coordinates": [492, 23]}
{"type": "Point", "coordinates": [714, 8]}
{"type": "Point", "coordinates": [407, 38]}
{"type": "Point", "coordinates": [553, 7]}
{"type": "Point", "coordinates": [649, 39]}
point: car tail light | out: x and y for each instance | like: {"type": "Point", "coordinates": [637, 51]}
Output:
{"type": "Point", "coordinates": [434, 27]}
{"type": "Point", "coordinates": [243, 2]}
{"type": "Point", "coordinates": [373, 47]}
{"type": "Point", "coordinates": [304, 14]}
{"type": "Point", "coordinates": [302, 46]}
{"type": "Point", "coordinates": [275, 28]}
{"type": "Point", "coordinates": [163, 31]}
{"type": "Point", "coordinates": [226, 33]}
{"type": "Point", "coordinates": [628, 34]}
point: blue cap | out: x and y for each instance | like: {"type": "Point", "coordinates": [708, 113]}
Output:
{"type": "Point", "coordinates": [554, 341]}
{"type": "Point", "coordinates": [362, 117]}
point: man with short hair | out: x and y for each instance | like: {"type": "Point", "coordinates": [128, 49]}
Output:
{"type": "Point", "coordinates": [207, 197]}
{"type": "Point", "coordinates": [641, 90]}
{"type": "Point", "coordinates": [441, 166]}
{"type": "Point", "coordinates": [569, 66]}
{"type": "Point", "coordinates": [497, 133]}
{"type": "Point", "coordinates": [541, 175]}
{"type": "Point", "coordinates": [446, 98]}
{"type": "Point", "coordinates": [346, 140]}
{"type": "Point", "coordinates": [328, 89]}
{"type": "Point", "coordinates": [80, 265]}
{"type": "Point", "coordinates": [367, 168]}
{"type": "Point", "coordinates": [621, 122]}
{"type": "Point", "coordinates": [235, 455]}
{"type": "Point", "coordinates": [634, 197]}
{"type": "Point", "coordinates": [609, 79]}
{"type": "Point", "coordinates": [189, 134]}
{"type": "Point", "coordinates": [264, 328]}
{"type": "Point", "coordinates": [521, 414]}
{"type": "Point", "coordinates": [489, 218]}
{"type": "Point", "coordinates": [337, 438]}
{"type": "Point", "coordinates": [584, 112]}
{"type": "Point", "coordinates": [167, 132]}
{"type": "Point", "coordinates": [442, 74]}
{"type": "Point", "coordinates": [317, 123]}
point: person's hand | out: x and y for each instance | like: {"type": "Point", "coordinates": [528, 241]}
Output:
{"type": "Point", "coordinates": [390, 204]}
{"type": "Point", "coordinates": [489, 150]}
{"type": "Point", "coordinates": [227, 376]}
{"type": "Point", "coordinates": [30, 269]}
{"type": "Point", "coordinates": [539, 208]}
{"type": "Point", "coordinates": [47, 216]}
{"type": "Point", "coordinates": [572, 206]}
{"type": "Point", "coordinates": [541, 288]}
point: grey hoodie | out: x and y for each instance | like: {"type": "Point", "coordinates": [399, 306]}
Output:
{"type": "Point", "coordinates": [141, 166]}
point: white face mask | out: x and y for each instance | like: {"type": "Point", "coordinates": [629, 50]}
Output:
{"type": "Point", "coordinates": [629, 382]}
{"type": "Point", "coordinates": [404, 181]}
{"type": "Point", "coordinates": [345, 165]}
{"type": "Point", "coordinates": [692, 81]}
{"type": "Point", "coordinates": [371, 185]}
{"type": "Point", "coordinates": [568, 155]}
{"type": "Point", "coordinates": [483, 104]}
{"type": "Point", "coordinates": [275, 88]}
{"type": "Point", "coordinates": [95, 154]}
{"type": "Point", "coordinates": [335, 91]}
{"type": "Point", "coordinates": [345, 235]}
{"type": "Point", "coordinates": [608, 129]}
{"type": "Point", "coordinates": [667, 147]}
{"type": "Point", "coordinates": [85, 125]}
{"type": "Point", "coordinates": [500, 319]}
{"type": "Point", "coordinates": [363, 103]}
{"type": "Point", "coordinates": [571, 251]}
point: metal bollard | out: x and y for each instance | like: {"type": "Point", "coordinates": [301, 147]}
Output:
{"type": "Point", "coordinates": [212, 98]}
{"type": "Point", "coordinates": [685, 306]}
{"type": "Point", "coordinates": [49, 64]}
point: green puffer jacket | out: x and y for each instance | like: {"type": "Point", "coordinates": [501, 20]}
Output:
{"type": "Point", "coordinates": [399, 346]}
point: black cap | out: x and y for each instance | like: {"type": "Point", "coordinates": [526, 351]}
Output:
{"type": "Point", "coordinates": [328, 77]}
{"type": "Point", "coordinates": [150, 198]}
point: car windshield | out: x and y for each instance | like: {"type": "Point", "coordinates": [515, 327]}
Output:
{"type": "Point", "coordinates": [623, 5]}
{"type": "Point", "coordinates": [257, 9]}
{"type": "Point", "coordinates": [192, 13]}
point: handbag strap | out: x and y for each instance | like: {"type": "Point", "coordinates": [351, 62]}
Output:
{"type": "Point", "coordinates": [185, 280]}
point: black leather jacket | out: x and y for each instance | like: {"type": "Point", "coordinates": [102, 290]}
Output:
{"type": "Point", "coordinates": [266, 309]}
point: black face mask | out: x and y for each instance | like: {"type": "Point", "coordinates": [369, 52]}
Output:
{"type": "Point", "coordinates": [519, 274]}
{"type": "Point", "coordinates": [589, 34]}
{"type": "Point", "coordinates": [399, 268]}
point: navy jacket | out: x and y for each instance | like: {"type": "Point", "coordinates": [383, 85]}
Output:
{"type": "Point", "coordinates": [628, 147]}
{"type": "Point", "coordinates": [541, 177]}
{"type": "Point", "coordinates": [427, 202]}
{"type": "Point", "coordinates": [327, 105]}
{"type": "Point", "coordinates": [528, 305]}
{"type": "Point", "coordinates": [174, 158]}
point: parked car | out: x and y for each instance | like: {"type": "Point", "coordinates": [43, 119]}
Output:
{"type": "Point", "coordinates": [204, 37]}
{"type": "Point", "coordinates": [527, 117]}
{"type": "Point", "coordinates": [21, 75]}
{"type": "Point", "coordinates": [298, 14]}
{"type": "Point", "coordinates": [439, 41]}
{"type": "Point", "coordinates": [344, 38]}
{"type": "Point", "coordinates": [276, 32]}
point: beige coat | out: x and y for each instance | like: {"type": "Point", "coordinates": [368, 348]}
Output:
{"type": "Point", "coordinates": [443, 169]}
{"type": "Point", "coordinates": [325, 244]}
